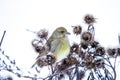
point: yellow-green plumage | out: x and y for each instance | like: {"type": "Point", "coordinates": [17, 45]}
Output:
{"type": "Point", "coordinates": [59, 43]}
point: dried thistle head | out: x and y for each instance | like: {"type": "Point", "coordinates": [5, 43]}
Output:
{"type": "Point", "coordinates": [100, 51]}
{"type": "Point", "coordinates": [90, 64]}
{"type": "Point", "coordinates": [35, 42]}
{"type": "Point", "coordinates": [118, 51]}
{"type": "Point", "coordinates": [111, 52]}
{"type": "Point", "coordinates": [77, 30]}
{"type": "Point", "coordinates": [41, 62]}
{"type": "Point", "coordinates": [87, 36]}
{"type": "Point", "coordinates": [89, 19]}
{"type": "Point", "coordinates": [67, 62]}
{"type": "Point", "coordinates": [40, 49]}
{"type": "Point", "coordinates": [84, 44]}
{"type": "Point", "coordinates": [73, 61]}
{"type": "Point", "coordinates": [38, 45]}
{"type": "Point", "coordinates": [88, 57]}
{"type": "Point", "coordinates": [42, 33]}
{"type": "Point", "coordinates": [75, 48]}
{"type": "Point", "coordinates": [64, 64]}
{"type": "Point", "coordinates": [99, 63]}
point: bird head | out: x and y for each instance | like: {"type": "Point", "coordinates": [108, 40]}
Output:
{"type": "Point", "coordinates": [60, 32]}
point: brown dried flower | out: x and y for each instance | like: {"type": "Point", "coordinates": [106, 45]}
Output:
{"type": "Point", "coordinates": [111, 52]}
{"type": "Point", "coordinates": [100, 51]}
{"type": "Point", "coordinates": [38, 46]}
{"type": "Point", "coordinates": [67, 62]}
{"type": "Point", "coordinates": [90, 64]}
{"type": "Point", "coordinates": [42, 34]}
{"type": "Point", "coordinates": [87, 36]}
{"type": "Point", "coordinates": [84, 45]}
{"type": "Point", "coordinates": [40, 49]}
{"type": "Point", "coordinates": [88, 57]}
{"type": "Point", "coordinates": [89, 19]}
{"type": "Point", "coordinates": [75, 48]}
{"type": "Point", "coordinates": [77, 30]}
{"type": "Point", "coordinates": [41, 62]}
{"type": "Point", "coordinates": [118, 51]}
{"type": "Point", "coordinates": [99, 63]}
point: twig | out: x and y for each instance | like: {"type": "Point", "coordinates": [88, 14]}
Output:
{"type": "Point", "coordinates": [77, 73]}
{"type": "Point", "coordinates": [2, 38]}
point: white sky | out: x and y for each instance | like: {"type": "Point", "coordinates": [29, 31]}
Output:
{"type": "Point", "coordinates": [18, 15]}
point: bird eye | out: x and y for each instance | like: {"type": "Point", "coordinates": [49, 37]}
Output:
{"type": "Point", "coordinates": [62, 31]}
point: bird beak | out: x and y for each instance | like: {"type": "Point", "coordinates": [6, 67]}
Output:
{"type": "Point", "coordinates": [67, 33]}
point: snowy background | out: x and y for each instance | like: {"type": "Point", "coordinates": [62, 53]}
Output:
{"type": "Point", "coordinates": [18, 15]}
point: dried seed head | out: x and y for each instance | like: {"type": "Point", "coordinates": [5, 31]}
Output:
{"type": "Point", "coordinates": [84, 45]}
{"type": "Point", "coordinates": [77, 30]}
{"type": "Point", "coordinates": [99, 63]}
{"type": "Point", "coordinates": [64, 64]}
{"type": "Point", "coordinates": [89, 19]}
{"type": "Point", "coordinates": [88, 57]}
{"type": "Point", "coordinates": [118, 51]}
{"type": "Point", "coordinates": [41, 62]}
{"type": "Point", "coordinates": [38, 45]}
{"type": "Point", "coordinates": [36, 42]}
{"type": "Point", "coordinates": [90, 64]}
{"type": "Point", "coordinates": [67, 62]}
{"type": "Point", "coordinates": [40, 49]}
{"type": "Point", "coordinates": [42, 34]}
{"type": "Point", "coordinates": [86, 36]}
{"type": "Point", "coordinates": [75, 48]}
{"type": "Point", "coordinates": [100, 51]}
{"type": "Point", "coordinates": [73, 61]}
{"type": "Point", "coordinates": [111, 52]}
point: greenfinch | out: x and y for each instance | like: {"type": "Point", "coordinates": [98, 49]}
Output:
{"type": "Point", "coordinates": [58, 43]}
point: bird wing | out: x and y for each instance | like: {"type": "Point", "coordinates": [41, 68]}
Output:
{"type": "Point", "coordinates": [55, 44]}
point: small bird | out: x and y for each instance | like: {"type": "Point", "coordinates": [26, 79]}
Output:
{"type": "Point", "coordinates": [59, 44]}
